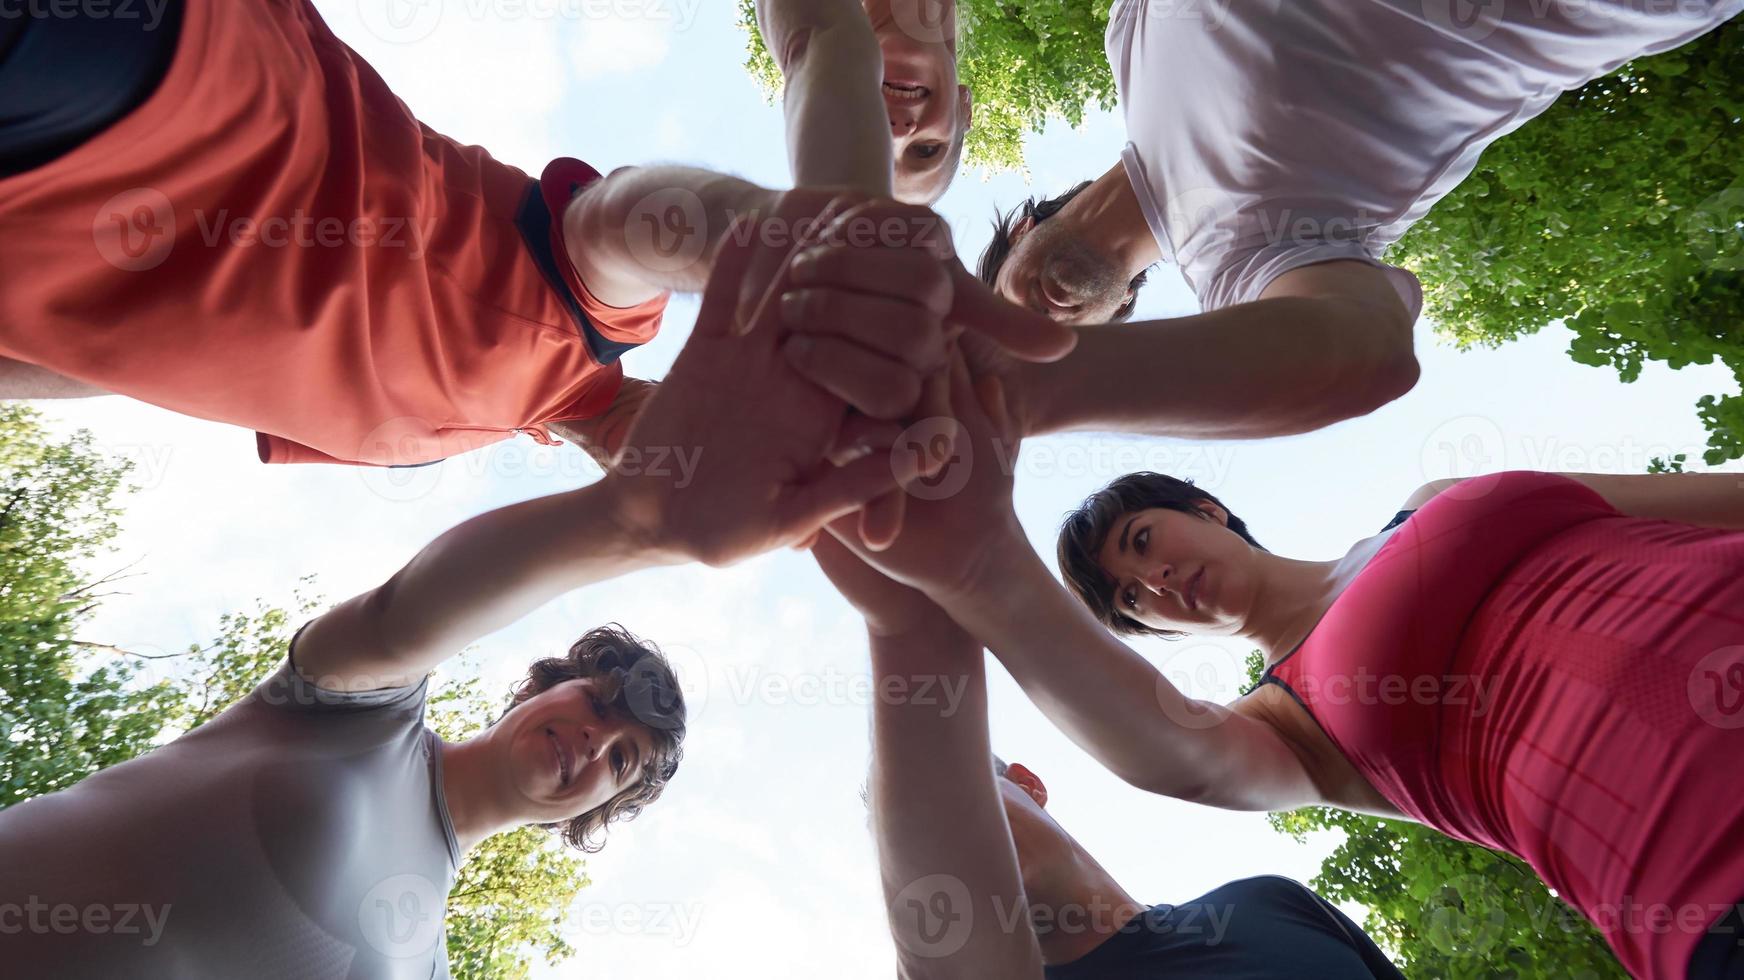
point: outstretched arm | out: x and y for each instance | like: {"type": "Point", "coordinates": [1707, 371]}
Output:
{"type": "Point", "coordinates": [1706, 499]}
{"type": "Point", "coordinates": [969, 554]}
{"type": "Point", "coordinates": [838, 131]}
{"type": "Point", "coordinates": [1325, 343]}
{"type": "Point", "coordinates": [741, 437]}
{"type": "Point", "coordinates": [944, 848]}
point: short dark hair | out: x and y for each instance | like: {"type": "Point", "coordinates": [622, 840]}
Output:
{"type": "Point", "coordinates": [645, 688]}
{"type": "Point", "coordinates": [1086, 529]}
{"type": "Point", "coordinates": [999, 249]}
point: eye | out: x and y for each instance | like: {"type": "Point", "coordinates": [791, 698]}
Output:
{"type": "Point", "coordinates": [1141, 540]}
{"type": "Point", "coordinates": [618, 763]}
{"type": "Point", "coordinates": [926, 151]}
{"type": "Point", "coordinates": [1129, 597]}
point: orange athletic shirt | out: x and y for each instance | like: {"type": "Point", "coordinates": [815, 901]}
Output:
{"type": "Point", "coordinates": [272, 240]}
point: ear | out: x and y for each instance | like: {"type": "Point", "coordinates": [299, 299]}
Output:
{"type": "Point", "coordinates": [1022, 227]}
{"type": "Point", "coordinates": [1214, 512]}
{"type": "Point", "coordinates": [966, 106]}
{"type": "Point", "coordinates": [1029, 782]}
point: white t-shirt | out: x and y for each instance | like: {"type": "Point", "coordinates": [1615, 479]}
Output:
{"type": "Point", "coordinates": [1271, 134]}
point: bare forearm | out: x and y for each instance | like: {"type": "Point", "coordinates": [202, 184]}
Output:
{"type": "Point", "coordinates": [1271, 368]}
{"type": "Point", "coordinates": [1112, 702]}
{"type": "Point", "coordinates": [494, 569]}
{"type": "Point", "coordinates": [838, 131]}
{"type": "Point", "coordinates": [648, 229]}
{"type": "Point", "coordinates": [1706, 499]}
{"type": "Point", "coordinates": [941, 830]}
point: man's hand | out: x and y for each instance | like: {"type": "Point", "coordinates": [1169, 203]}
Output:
{"type": "Point", "coordinates": [875, 247]}
{"type": "Point", "coordinates": [890, 608]}
{"type": "Point", "coordinates": [734, 445]}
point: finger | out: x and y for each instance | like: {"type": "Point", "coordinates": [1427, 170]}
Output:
{"type": "Point", "coordinates": [861, 435]}
{"type": "Point", "coordinates": [808, 543]}
{"type": "Point", "coordinates": [893, 225]}
{"type": "Point", "coordinates": [868, 381]}
{"type": "Point", "coordinates": [721, 297]}
{"type": "Point", "coordinates": [837, 492]}
{"type": "Point", "coordinates": [909, 274]}
{"type": "Point", "coordinates": [893, 327]}
{"type": "Point", "coordinates": [779, 237]}
{"type": "Point", "coordinates": [1023, 333]}
{"type": "Point", "coordinates": [881, 521]}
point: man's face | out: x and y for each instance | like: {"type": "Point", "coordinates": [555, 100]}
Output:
{"type": "Point", "coordinates": [929, 111]}
{"type": "Point", "coordinates": [1052, 271]}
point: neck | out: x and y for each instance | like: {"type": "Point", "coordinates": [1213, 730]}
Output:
{"type": "Point", "coordinates": [1108, 218]}
{"type": "Point", "coordinates": [1079, 911]}
{"type": "Point", "coordinates": [469, 784]}
{"type": "Point", "coordinates": [1291, 598]}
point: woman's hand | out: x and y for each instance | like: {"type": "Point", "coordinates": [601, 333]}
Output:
{"type": "Point", "coordinates": [959, 520]}
{"type": "Point", "coordinates": [890, 608]}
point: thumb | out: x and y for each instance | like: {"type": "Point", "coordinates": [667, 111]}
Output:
{"type": "Point", "coordinates": [1025, 334]}
{"type": "Point", "coordinates": [720, 299]}
{"type": "Point", "coordinates": [836, 492]}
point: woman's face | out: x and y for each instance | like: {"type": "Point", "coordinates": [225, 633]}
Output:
{"type": "Point", "coordinates": [1178, 571]}
{"type": "Point", "coordinates": [929, 111]}
{"type": "Point", "coordinates": [569, 750]}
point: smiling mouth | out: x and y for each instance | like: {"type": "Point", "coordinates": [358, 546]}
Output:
{"type": "Point", "coordinates": [906, 91]}
{"type": "Point", "coordinates": [565, 761]}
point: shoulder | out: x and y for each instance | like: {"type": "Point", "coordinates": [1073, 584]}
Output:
{"type": "Point", "coordinates": [1429, 491]}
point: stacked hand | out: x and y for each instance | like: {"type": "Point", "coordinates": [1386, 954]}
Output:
{"type": "Point", "coordinates": [825, 330]}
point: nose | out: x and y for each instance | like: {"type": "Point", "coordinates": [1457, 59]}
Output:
{"type": "Point", "coordinates": [1160, 579]}
{"type": "Point", "coordinates": [902, 126]}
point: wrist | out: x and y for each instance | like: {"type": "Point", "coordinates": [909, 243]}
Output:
{"type": "Point", "coordinates": [989, 574]}
{"type": "Point", "coordinates": [636, 521]}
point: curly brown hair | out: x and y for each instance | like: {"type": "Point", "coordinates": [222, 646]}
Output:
{"type": "Point", "coordinates": [643, 685]}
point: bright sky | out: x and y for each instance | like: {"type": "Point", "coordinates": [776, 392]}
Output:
{"type": "Point", "coordinates": [757, 863]}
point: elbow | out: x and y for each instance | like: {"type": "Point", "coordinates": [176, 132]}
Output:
{"type": "Point", "coordinates": [1387, 373]}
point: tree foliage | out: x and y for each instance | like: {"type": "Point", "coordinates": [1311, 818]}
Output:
{"type": "Point", "coordinates": [1619, 212]}
{"type": "Point", "coordinates": [1444, 908]}
{"type": "Point", "coordinates": [69, 707]}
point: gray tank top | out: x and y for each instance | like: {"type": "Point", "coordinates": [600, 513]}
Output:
{"type": "Point", "coordinates": [301, 833]}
